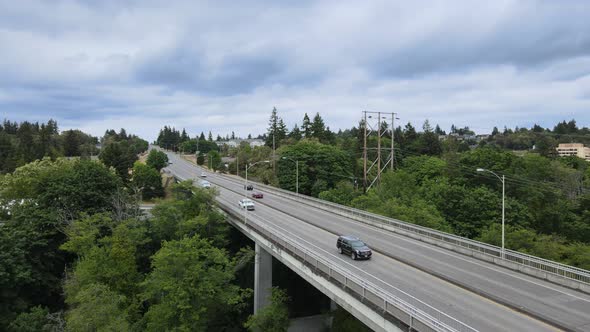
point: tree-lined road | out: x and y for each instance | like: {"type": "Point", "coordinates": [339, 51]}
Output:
{"type": "Point", "coordinates": [482, 295]}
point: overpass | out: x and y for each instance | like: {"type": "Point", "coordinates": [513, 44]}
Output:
{"type": "Point", "coordinates": [418, 278]}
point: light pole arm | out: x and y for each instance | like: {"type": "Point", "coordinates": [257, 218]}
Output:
{"type": "Point", "coordinates": [496, 175]}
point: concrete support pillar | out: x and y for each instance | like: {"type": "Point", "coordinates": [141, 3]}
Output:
{"type": "Point", "coordinates": [333, 305]}
{"type": "Point", "coordinates": [262, 278]}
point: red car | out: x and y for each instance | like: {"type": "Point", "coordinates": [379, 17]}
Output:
{"type": "Point", "coordinates": [257, 195]}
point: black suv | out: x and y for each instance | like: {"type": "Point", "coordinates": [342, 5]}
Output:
{"type": "Point", "coordinates": [249, 187]}
{"type": "Point", "coordinates": [353, 246]}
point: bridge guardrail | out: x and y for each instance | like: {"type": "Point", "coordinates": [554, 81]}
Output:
{"type": "Point", "coordinates": [386, 301]}
{"type": "Point", "coordinates": [521, 259]}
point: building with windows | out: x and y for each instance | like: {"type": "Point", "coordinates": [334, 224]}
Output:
{"type": "Point", "coordinates": [236, 142]}
{"type": "Point", "coordinates": [573, 149]}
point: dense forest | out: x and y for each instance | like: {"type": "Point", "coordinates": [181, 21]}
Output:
{"type": "Point", "coordinates": [77, 253]}
{"type": "Point", "coordinates": [435, 183]}
{"type": "Point", "coordinates": [21, 143]}
{"type": "Point", "coordinates": [123, 272]}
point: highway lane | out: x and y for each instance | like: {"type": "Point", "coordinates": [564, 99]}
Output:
{"type": "Point", "coordinates": [467, 306]}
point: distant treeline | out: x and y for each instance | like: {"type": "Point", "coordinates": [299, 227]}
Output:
{"type": "Point", "coordinates": [21, 143]}
{"type": "Point", "coordinates": [172, 139]}
{"type": "Point", "coordinates": [24, 142]}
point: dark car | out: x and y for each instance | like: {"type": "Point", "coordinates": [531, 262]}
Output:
{"type": "Point", "coordinates": [249, 187]}
{"type": "Point", "coordinates": [353, 246]}
{"type": "Point", "coordinates": [257, 195]}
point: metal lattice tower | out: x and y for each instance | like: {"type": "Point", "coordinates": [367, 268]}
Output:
{"type": "Point", "coordinates": [372, 126]}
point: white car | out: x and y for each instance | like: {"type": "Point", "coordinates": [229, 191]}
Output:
{"type": "Point", "coordinates": [205, 184]}
{"type": "Point", "coordinates": [203, 174]}
{"type": "Point", "coordinates": [247, 204]}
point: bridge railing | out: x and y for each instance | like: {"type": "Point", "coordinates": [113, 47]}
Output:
{"type": "Point", "coordinates": [523, 262]}
{"type": "Point", "coordinates": [385, 300]}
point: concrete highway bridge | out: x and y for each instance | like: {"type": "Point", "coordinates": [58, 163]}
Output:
{"type": "Point", "coordinates": [418, 279]}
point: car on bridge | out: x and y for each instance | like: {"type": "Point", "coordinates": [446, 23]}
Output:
{"type": "Point", "coordinates": [353, 246]}
{"type": "Point", "coordinates": [203, 174]}
{"type": "Point", "coordinates": [205, 184]}
{"type": "Point", "coordinates": [247, 204]}
{"type": "Point", "coordinates": [257, 194]}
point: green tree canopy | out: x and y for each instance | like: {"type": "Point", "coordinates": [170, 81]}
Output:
{"type": "Point", "coordinates": [148, 180]}
{"type": "Point", "coordinates": [274, 317]}
{"type": "Point", "coordinates": [120, 156]}
{"type": "Point", "coordinates": [318, 163]}
{"type": "Point", "coordinates": [190, 286]}
{"type": "Point", "coordinates": [157, 159]}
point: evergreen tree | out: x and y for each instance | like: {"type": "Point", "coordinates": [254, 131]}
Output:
{"type": "Point", "coordinates": [282, 131]}
{"type": "Point", "coordinates": [26, 142]}
{"type": "Point", "coordinates": [120, 156]}
{"type": "Point", "coordinates": [184, 137]}
{"type": "Point", "coordinates": [439, 131]}
{"type": "Point", "coordinates": [318, 128]}
{"type": "Point", "coordinates": [210, 137]}
{"type": "Point", "coordinates": [426, 127]}
{"type": "Point", "coordinates": [122, 134]}
{"type": "Point", "coordinates": [329, 137]}
{"type": "Point", "coordinates": [306, 126]}
{"type": "Point", "coordinates": [295, 133]}
{"type": "Point", "coordinates": [410, 133]}
{"type": "Point", "coordinates": [71, 143]}
{"type": "Point", "coordinates": [276, 131]}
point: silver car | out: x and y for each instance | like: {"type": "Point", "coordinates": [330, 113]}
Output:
{"type": "Point", "coordinates": [247, 204]}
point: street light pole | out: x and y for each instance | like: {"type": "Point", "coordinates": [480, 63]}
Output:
{"type": "Point", "coordinates": [296, 174]}
{"type": "Point", "coordinates": [503, 179]}
{"type": "Point", "coordinates": [503, 209]}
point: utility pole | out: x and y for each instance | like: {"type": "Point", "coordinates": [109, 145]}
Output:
{"type": "Point", "coordinates": [365, 153]}
{"type": "Point", "coordinates": [273, 150]}
{"type": "Point", "coordinates": [392, 140]}
{"type": "Point", "coordinates": [378, 147]}
{"type": "Point", "coordinates": [377, 163]}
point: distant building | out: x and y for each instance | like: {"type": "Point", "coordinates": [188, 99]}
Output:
{"type": "Point", "coordinates": [467, 137]}
{"type": "Point", "coordinates": [573, 149]}
{"type": "Point", "coordinates": [234, 143]}
{"type": "Point", "coordinates": [482, 137]}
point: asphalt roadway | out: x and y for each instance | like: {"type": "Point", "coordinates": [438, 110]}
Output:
{"type": "Point", "coordinates": [484, 296]}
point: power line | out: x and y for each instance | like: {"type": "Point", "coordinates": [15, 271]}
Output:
{"type": "Point", "coordinates": [513, 178]}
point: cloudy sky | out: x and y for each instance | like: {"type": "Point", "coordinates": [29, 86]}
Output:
{"type": "Point", "coordinates": [223, 65]}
